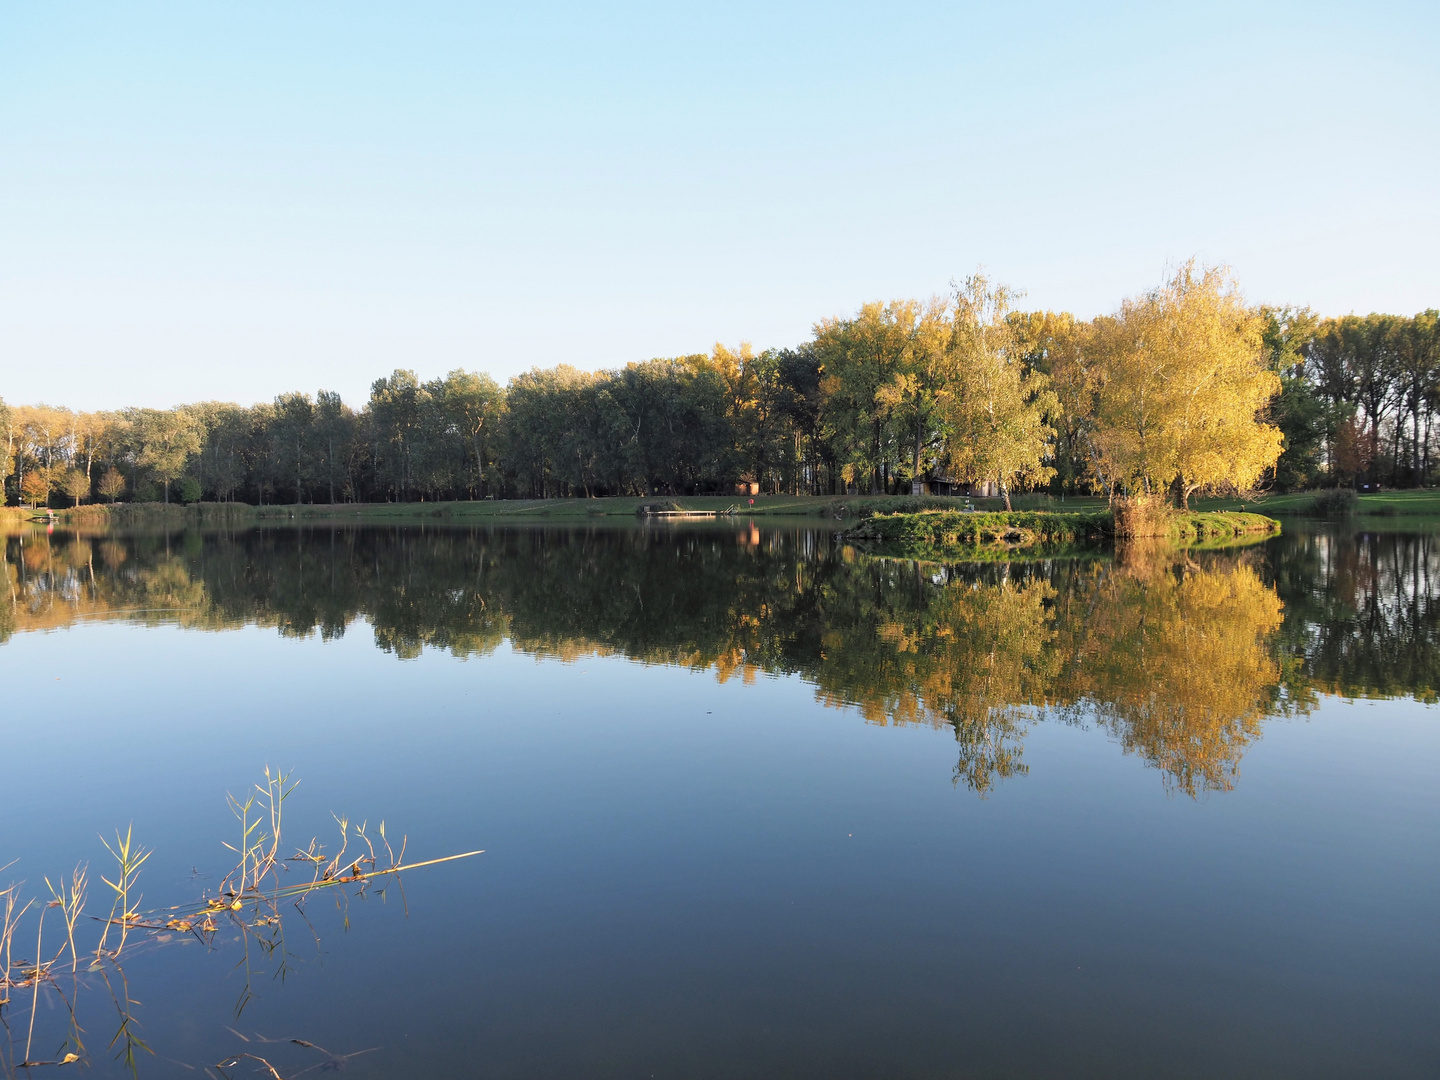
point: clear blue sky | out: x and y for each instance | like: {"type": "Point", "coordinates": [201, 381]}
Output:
{"type": "Point", "coordinates": [207, 200]}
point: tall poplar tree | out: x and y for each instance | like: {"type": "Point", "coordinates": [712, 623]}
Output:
{"type": "Point", "coordinates": [7, 446]}
{"type": "Point", "coordinates": [998, 410]}
{"type": "Point", "coordinates": [473, 403]}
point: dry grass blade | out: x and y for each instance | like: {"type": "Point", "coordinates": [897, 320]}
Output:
{"type": "Point", "coordinates": [35, 1002]}
{"type": "Point", "coordinates": [357, 875]}
{"type": "Point", "coordinates": [71, 903]}
{"type": "Point", "coordinates": [332, 1062]}
{"type": "Point", "coordinates": [232, 1061]}
{"type": "Point", "coordinates": [7, 937]}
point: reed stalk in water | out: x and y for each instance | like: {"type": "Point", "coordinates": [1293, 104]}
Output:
{"type": "Point", "coordinates": [130, 857]}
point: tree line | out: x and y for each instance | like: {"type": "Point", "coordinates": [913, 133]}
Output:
{"type": "Point", "coordinates": [1183, 388]}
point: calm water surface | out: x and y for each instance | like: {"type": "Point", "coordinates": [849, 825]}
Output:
{"type": "Point", "coordinates": [752, 804]}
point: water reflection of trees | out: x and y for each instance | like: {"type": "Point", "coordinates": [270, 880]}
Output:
{"type": "Point", "coordinates": [1180, 658]}
{"type": "Point", "coordinates": [1363, 617]}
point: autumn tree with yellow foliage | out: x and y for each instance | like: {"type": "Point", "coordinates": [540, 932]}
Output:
{"type": "Point", "coordinates": [1181, 390]}
{"type": "Point", "coordinates": [997, 408]}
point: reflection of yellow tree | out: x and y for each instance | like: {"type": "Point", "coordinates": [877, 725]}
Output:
{"type": "Point", "coordinates": [1176, 660]}
{"type": "Point", "coordinates": [974, 657]}
{"type": "Point", "coordinates": [999, 667]}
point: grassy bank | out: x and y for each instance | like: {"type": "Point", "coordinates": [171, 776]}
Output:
{"type": "Point", "coordinates": [478, 511]}
{"type": "Point", "coordinates": [1194, 526]}
{"type": "Point", "coordinates": [930, 533]}
{"type": "Point", "coordinates": [1423, 502]}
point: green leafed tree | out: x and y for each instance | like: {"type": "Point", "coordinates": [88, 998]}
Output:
{"type": "Point", "coordinates": [1305, 420]}
{"type": "Point", "coordinates": [334, 436]}
{"type": "Point", "coordinates": [1414, 345]}
{"type": "Point", "coordinates": [861, 357]}
{"type": "Point", "coordinates": [923, 384]}
{"type": "Point", "coordinates": [472, 404]}
{"type": "Point", "coordinates": [165, 439]}
{"type": "Point", "coordinates": [397, 406]}
{"type": "Point", "coordinates": [801, 403]}
{"type": "Point", "coordinates": [291, 434]}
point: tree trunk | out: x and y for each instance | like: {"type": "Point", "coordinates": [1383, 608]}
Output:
{"type": "Point", "coordinates": [1395, 447]}
{"type": "Point", "coordinates": [1424, 458]}
{"type": "Point", "coordinates": [1179, 493]}
{"type": "Point", "coordinates": [1415, 447]}
{"type": "Point", "coordinates": [875, 461]}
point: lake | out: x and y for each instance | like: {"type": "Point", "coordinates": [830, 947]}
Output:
{"type": "Point", "coordinates": [751, 803]}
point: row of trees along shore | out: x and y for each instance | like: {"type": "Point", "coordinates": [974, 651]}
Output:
{"type": "Point", "coordinates": [1184, 388]}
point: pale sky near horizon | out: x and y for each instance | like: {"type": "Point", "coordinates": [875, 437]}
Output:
{"type": "Point", "coordinates": [207, 201]}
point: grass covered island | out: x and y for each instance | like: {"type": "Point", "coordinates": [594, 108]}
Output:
{"type": "Point", "coordinates": [933, 533]}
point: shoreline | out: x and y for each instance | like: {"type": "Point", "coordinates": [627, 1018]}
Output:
{"type": "Point", "coordinates": [481, 511]}
{"type": "Point", "coordinates": [1393, 507]}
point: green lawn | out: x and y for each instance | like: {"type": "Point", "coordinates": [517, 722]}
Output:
{"type": "Point", "coordinates": [615, 507]}
{"type": "Point", "coordinates": [496, 510]}
{"type": "Point", "coordinates": [1424, 502]}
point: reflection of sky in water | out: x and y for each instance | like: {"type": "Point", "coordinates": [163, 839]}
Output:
{"type": "Point", "coordinates": [694, 878]}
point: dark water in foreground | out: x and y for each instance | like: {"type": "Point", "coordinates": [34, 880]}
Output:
{"type": "Point", "coordinates": [752, 804]}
